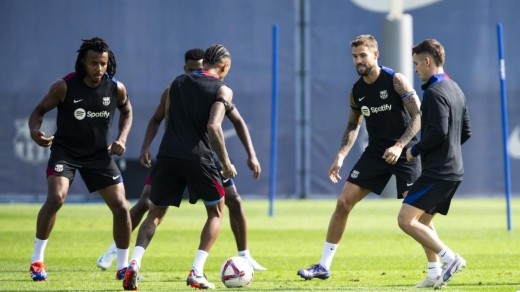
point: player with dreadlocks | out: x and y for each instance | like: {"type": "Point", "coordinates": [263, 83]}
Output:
{"type": "Point", "coordinates": [86, 101]}
{"type": "Point", "coordinates": [197, 107]}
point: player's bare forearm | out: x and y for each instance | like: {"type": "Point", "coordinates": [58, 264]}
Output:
{"type": "Point", "coordinates": [242, 132]}
{"type": "Point", "coordinates": [216, 139]}
{"type": "Point", "coordinates": [151, 132]}
{"type": "Point", "coordinates": [350, 134]}
{"type": "Point", "coordinates": [412, 105]}
{"type": "Point", "coordinates": [125, 121]}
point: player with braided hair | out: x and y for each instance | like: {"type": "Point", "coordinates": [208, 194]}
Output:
{"type": "Point", "coordinates": [198, 105]}
{"type": "Point", "coordinates": [86, 101]}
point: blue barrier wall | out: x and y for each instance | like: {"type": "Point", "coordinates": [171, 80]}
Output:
{"type": "Point", "coordinates": [40, 39]}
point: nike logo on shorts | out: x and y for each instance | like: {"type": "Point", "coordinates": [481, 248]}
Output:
{"type": "Point", "coordinates": [115, 177]}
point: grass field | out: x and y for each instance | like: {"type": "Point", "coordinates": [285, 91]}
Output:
{"type": "Point", "coordinates": [375, 255]}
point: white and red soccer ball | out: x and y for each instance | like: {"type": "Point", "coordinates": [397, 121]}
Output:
{"type": "Point", "coordinates": [236, 272]}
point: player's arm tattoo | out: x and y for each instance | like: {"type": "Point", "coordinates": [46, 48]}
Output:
{"type": "Point", "coordinates": [411, 104]}
{"type": "Point", "coordinates": [351, 131]}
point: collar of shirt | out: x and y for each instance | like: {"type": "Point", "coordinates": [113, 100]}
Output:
{"type": "Point", "coordinates": [434, 79]}
{"type": "Point", "coordinates": [206, 73]}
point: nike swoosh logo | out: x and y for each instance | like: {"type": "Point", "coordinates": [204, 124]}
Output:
{"type": "Point", "coordinates": [76, 101]}
{"type": "Point", "coordinates": [407, 184]}
{"type": "Point", "coordinates": [115, 177]}
{"type": "Point", "coordinates": [361, 98]}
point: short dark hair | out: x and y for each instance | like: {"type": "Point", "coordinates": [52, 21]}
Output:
{"type": "Point", "coordinates": [432, 47]}
{"type": "Point", "coordinates": [366, 40]}
{"type": "Point", "coordinates": [215, 53]}
{"type": "Point", "coordinates": [194, 54]}
{"type": "Point", "coordinates": [96, 44]}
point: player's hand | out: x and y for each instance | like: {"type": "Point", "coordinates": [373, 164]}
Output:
{"type": "Point", "coordinates": [40, 139]}
{"type": "Point", "coordinates": [228, 171]}
{"type": "Point", "coordinates": [117, 148]}
{"type": "Point", "coordinates": [409, 156]}
{"type": "Point", "coordinates": [334, 170]}
{"type": "Point", "coordinates": [146, 159]}
{"type": "Point", "coordinates": [392, 154]}
{"type": "Point", "coordinates": [254, 165]}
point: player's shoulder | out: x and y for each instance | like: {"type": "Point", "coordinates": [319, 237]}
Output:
{"type": "Point", "coordinates": [388, 71]}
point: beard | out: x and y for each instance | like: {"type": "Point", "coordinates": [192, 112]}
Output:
{"type": "Point", "coordinates": [365, 72]}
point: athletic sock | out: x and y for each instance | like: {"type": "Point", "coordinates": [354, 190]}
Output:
{"type": "Point", "coordinates": [122, 258]}
{"type": "Point", "coordinates": [434, 270]}
{"type": "Point", "coordinates": [244, 253]}
{"type": "Point", "coordinates": [112, 247]}
{"type": "Point", "coordinates": [39, 250]}
{"type": "Point", "coordinates": [199, 261]}
{"type": "Point", "coordinates": [137, 255]}
{"type": "Point", "coordinates": [329, 250]}
{"type": "Point", "coordinates": [447, 255]}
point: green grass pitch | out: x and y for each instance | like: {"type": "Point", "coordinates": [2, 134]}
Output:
{"type": "Point", "coordinates": [374, 255]}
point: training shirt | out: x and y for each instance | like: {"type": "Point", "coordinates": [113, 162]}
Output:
{"type": "Point", "coordinates": [445, 126]}
{"type": "Point", "coordinates": [383, 110]}
{"type": "Point", "coordinates": [84, 118]}
{"type": "Point", "coordinates": [186, 135]}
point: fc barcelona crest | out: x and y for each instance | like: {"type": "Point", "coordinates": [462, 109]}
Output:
{"type": "Point", "coordinates": [58, 167]}
{"type": "Point", "coordinates": [106, 101]}
{"type": "Point", "coordinates": [383, 94]}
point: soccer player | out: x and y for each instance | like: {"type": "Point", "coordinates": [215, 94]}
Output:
{"type": "Point", "coordinates": [390, 106]}
{"type": "Point", "coordinates": [193, 62]}
{"type": "Point", "coordinates": [445, 126]}
{"type": "Point", "coordinates": [86, 101]}
{"type": "Point", "coordinates": [198, 104]}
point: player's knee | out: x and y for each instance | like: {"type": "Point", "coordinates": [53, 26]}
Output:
{"type": "Point", "coordinates": [233, 200]}
{"type": "Point", "coordinates": [344, 205]}
{"type": "Point", "coordinates": [404, 223]}
{"type": "Point", "coordinates": [55, 200]}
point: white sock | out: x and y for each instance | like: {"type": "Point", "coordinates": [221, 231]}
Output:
{"type": "Point", "coordinates": [244, 253]}
{"type": "Point", "coordinates": [39, 250]}
{"type": "Point", "coordinates": [434, 270]}
{"type": "Point", "coordinates": [329, 250]}
{"type": "Point", "coordinates": [447, 255]}
{"type": "Point", "coordinates": [199, 261]}
{"type": "Point", "coordinates": [112, 247]}
{"type": "Point", "coordinates": [122, 258]}
{"type": "Point", "coordinates": [137, 255]}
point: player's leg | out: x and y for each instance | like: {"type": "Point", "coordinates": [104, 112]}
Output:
{"type": "Point", "coordinates": [114, 196]}
{"type": "Point", "coordinates": [435, 196]}
{"type": "Point", "coordinates": [210, 231]}
{"type": "Point", "coordinates": [58, 187]}
{"type": "Point", "coordinates": [144, 237]}
{"type": "Point", "coordinates": [434, 267]}
{"type": "Point", "coordinates": [406, 173]}
{"type": "Point", "coordinates": [237, 219]}
{"type": "Point", "coordinates": [370, 173]}
{"type": "Point", "coordinates": [141, 207]}
{"type": "Point", "coordinates": [136, 215]}
{"type": "Point", "coordinates": [349, 197]}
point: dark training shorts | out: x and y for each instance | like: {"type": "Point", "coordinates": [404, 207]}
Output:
{"type": "Point", "coordinates": [97, 174]}
{"type": "Point", "coordinates": [373, 173]}
{"type": "Point", "coordinates": [432, 195]}
{"type": "Point", "coordinates": [172, 175]}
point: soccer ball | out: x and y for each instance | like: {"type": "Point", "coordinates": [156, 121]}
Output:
{"type": "Point", "coordinates": [236, 272]}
